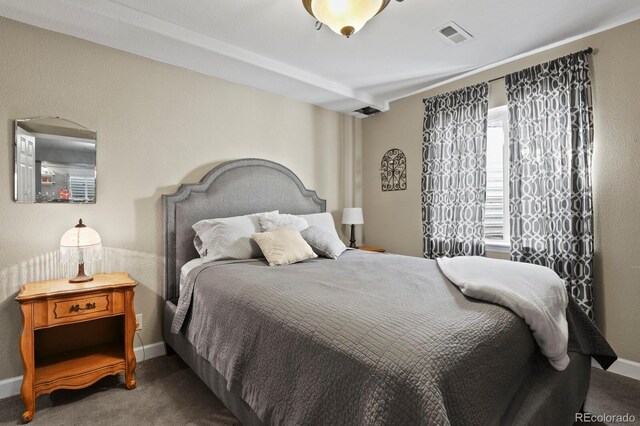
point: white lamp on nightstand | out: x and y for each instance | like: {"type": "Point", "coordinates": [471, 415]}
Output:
{"type": "Point", "coordinates": [352, 216]}
{"type": "Point", "coordinates": [80, 244]}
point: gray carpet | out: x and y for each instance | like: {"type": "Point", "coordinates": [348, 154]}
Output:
{"type": "Point", "coordinates": [611, 393]}
{"type": "Point", "coordinates": [168, 393]}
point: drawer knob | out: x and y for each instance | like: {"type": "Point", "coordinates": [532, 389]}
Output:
{"type": "Point", "coordinates": [77, 308]}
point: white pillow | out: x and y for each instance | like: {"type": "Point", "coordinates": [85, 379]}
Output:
{"type": "Point", "coordinates": [270, 221]}
{"type": "Point", "coordinates": [323, 221]}
{"type": "Point", "coordinates": [284, 246]}
{"type": "Point", "coordinates": [323, 243]}
{"type": "Point", "coordinates": [227, 238]}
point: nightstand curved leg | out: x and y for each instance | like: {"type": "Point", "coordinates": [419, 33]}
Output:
{"type": "Point", "coordinates": [28, 398]}
{"type": "Point", "coordinates": [130, 330]}
{"type": "Point", "coordinates": [27, 392]}
{"type": "Point", "coordinates": [27, 416]}
{"type": "Point", "coordinates": [131, 384]}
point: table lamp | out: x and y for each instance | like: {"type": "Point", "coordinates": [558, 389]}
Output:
{"type": "Point", "coordinates": [352, 216]}
{"type": "Point", "coordinates": [80, 244]}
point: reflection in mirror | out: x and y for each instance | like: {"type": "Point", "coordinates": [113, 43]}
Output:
{"type": "Point", "coordinates": [55, 161]}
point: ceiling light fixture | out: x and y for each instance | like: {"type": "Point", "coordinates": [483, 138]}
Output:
{"type": "Point", "coordinates": [344, 17]}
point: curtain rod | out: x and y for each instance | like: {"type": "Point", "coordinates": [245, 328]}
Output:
{"type": "Point", "coordinates": [588, 51]}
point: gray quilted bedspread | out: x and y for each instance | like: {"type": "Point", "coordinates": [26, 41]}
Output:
{"type": "Point", "coordinates": [366, 339]}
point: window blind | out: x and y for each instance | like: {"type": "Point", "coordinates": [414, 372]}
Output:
{"type": "Point", "coordinates": [82, 188]}
{"type": "Point", "coordinates": [494, 208]}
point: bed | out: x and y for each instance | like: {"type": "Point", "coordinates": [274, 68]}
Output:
{"type": "Point", "coordinates": [367, 339]}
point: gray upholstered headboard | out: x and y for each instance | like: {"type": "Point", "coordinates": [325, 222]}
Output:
{"type": "Point", "coordinates": [231, 189]}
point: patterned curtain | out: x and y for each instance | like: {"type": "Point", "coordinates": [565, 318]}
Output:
{"type": "Point", "coordinates": [454, 172]}
{"type": "Point", "coordinates": [550, 144]}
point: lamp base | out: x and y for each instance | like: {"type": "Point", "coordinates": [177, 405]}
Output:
{"type": "Point", "coordinates": [81, 277]}
{"type": "Point", "coordinates": [352, 241]}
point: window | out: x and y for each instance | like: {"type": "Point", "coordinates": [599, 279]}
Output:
{"type": "Point", "coordinates": [496, 225]}
{"type": "Point", "coordinates": [82, 188]}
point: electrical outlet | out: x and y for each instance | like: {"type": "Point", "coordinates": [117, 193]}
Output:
{"type": "Point", "coordinates": [139, 322]}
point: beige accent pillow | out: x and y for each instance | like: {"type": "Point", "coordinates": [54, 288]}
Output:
{"type": "Point", "coordinates": [283, 246]}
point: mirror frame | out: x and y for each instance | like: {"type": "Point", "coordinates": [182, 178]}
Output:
{"type": "Point", "coordinates": [15, 156]}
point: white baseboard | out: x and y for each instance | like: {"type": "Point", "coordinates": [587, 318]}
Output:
{"type": "Point", "coordinates": [622, 366]}
{"type": "Point", "coordinates": [11, 386]}
{"type": "Point", "coordinates": [151, 350]}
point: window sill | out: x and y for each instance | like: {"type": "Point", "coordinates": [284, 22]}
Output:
{"type": "Point", "coordinates": [497, 246]}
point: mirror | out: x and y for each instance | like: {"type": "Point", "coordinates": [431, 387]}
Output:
{"type": "Point", "coordinates": [55, 161]}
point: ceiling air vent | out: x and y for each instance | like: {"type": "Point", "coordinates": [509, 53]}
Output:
{"type": "Point", "coordinates": [368, 110]}
{"type": "Point", "coordinates": [454, 34]}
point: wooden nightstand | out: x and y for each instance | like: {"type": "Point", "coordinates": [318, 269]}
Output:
{"type": "Point", "coordinates": [370, 248]}
{"type": "Point", "coordinates": [75, 334]}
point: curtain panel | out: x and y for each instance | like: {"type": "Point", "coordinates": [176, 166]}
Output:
{"type": "Point", "coordinates": [454, 172]}
{"type": "Point", "coordinates": [550, 160]}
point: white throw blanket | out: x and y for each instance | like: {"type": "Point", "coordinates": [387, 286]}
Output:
{"type": "Point", "coordinates": [535, 293]}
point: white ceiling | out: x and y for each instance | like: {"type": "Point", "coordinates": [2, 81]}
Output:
{"type": "Point", "coordinates": [272, 44]}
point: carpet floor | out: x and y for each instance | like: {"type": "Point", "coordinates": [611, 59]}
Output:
{"type": "Point", "coordinates": [169, 393]}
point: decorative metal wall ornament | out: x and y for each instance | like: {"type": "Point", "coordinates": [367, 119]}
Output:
{"type": "Point", "coordinates": [393, 170]}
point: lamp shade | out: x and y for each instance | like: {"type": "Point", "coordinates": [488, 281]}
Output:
{"type": "Point", "coordinates": [80, 244]}
{"type": "Point", "coordinates": [345, 17]}
{"type": "Point", "coordinates": [352, 216]}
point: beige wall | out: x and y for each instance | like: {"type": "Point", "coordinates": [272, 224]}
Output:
{"type": "Point", "coordinates": [158, 126]}
{"type": "Point", "coordinates": [393, 219]}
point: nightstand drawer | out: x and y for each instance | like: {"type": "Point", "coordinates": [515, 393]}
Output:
{"type": "Point", "coordinates": [78, 308]}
